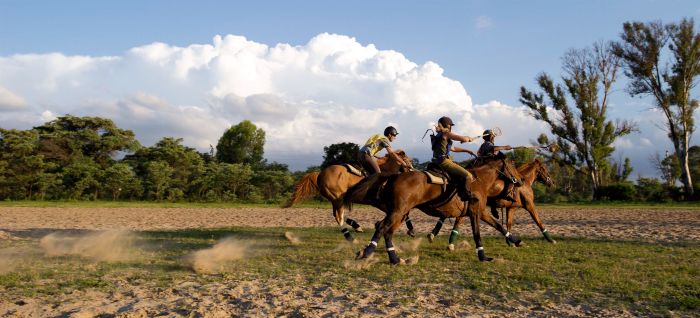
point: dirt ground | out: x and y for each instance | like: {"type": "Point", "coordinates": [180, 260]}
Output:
{"type": "Point", "coordinates": [252, 298]}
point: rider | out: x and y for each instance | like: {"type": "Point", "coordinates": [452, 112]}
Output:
{"type": "Point", "coordinates": [375, 143]}
{"type": "Point", "coordinates": [442, 145]}
{"type": "Point", "coordinates": [489, 150]}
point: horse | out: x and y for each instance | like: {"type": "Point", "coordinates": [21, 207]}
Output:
{"type": "Point", "coordinates": [332, 183]}
{"type": "Point", "coordinates": [524, 197]}
{"type": "Point", "coordinates": [396, 195]}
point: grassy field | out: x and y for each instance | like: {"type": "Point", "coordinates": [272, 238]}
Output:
{"type": "Point", "coordinates": [644, 278]}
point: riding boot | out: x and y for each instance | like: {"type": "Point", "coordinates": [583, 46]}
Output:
{"type": "Point", "coordinates": [465, 192]}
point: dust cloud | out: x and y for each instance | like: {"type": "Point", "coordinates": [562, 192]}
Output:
{"type": "Point", "coordinates": [217, 258]}
{"type": "Point", "coordinates": [107, 246]}
{"type": "Point", "coordinates": [292, 238]}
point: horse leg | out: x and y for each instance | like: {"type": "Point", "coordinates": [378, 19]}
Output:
{"type": "Point", "coordinates": [436, 229]}
{"type": "Point", "coordinates": [530, 207]}
{"type": "Point", "coordinates": [454, 234]}
{"type": "Point", "coordinates": [339, 214]}
{"type": "Point", "coordinates": [369, 249]}
{"type": "Point", "coordinates": [510, 214]}
{"type": "Point", "coordinates": [355, 226]}
{"type": "Point", "coordinates": [474, 216]}
{"type": "Point", "coordinates": [510, 238]}
{"type": "Point", "coordinates": [389, 229]}
{"type": "Point", "coordinates": [409, 225]}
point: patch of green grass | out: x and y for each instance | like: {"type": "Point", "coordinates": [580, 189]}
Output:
{"type": "Point", "coordinates": [647, 278]}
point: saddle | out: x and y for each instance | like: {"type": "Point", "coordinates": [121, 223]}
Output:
{"type": "Point", "coordinates": [436, 175]}
{"type": "Point", "coordinates": [355, 168]}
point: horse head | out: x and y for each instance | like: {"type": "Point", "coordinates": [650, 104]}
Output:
{"type": "Point", "coordinates": [390, 163]}
{"type": "Point", "coordinates": [543, 174]}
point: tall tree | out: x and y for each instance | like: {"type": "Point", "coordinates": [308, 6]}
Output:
{"type": "Point", "coordinates": [641, 50]}
{"type": "Point", "coordinates": [67, 138]}
{"type": "Point", "coordinates": [242, 143]}
{"type": "Point", "coordinates": [583, 133]}
{"type": "Point", "coordinates": [339, 153]}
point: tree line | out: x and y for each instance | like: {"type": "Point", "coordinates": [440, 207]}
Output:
{"type": "Point", "coordinates": [75, 158]}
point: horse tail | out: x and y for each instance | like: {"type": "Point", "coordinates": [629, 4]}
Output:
{"type": "Point", "coordinates": [304, 189]}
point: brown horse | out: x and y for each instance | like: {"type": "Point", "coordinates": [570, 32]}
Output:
{"type": "Point", "coordinates": [332, 183]}
{"type": "Point", "coordinates": [398, 194]}
{"type": "Point", "coordinates": [530, 172]}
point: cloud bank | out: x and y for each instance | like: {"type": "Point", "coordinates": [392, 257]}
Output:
{"type": "Point", "coordinates": [331, 89]}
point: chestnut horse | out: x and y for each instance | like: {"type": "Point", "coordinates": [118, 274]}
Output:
{"type": "Point", "coordinates": [396, 195]}
{"type": "Point", "coordinates": [332, 183]}
{"type": "Point", "coordinates": [524, 197]}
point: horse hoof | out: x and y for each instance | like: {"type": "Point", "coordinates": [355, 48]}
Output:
{"type": "Point", "coordinates": [360, 255]}
{"type": "Point", "coordinates": [411, 233]}
{"type": "Point", "coordinates": [431, 237]}
{"type": "Point", "coordinates": [451, 247]}
{"type": "Point", "coordinates": [359, 229]}
{"type": "Point", "coordinates": [486, 259]}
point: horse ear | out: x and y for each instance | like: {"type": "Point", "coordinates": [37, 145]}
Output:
{"type": "Point", "coordinates": [400, 152]}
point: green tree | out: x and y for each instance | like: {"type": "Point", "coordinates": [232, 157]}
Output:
{"type": "Point", "coordinates": [68, 138]}
{"type": "Point", "coordinates": [339, 153]}
{"type": "Point", "coordinates": [583, 133]}
{"type": "Point", "coordinates": [22, 166]}
{"type": "Point", "coordinates": [186, 163]}
{"type": "Point", "coordinates": [641, 49]}
{"type": "Point", "coordinates": [81, 179]}
{"type": "Point", "coordinates": [273, 184]}
{"type": "Point", "coordinates": [242, 143]}
{"type": "Point", "coordinates": [120, 179]}
{"type": "Point", "coordinates": [522, 155]}
{"type": "Point", "coordinates": [158, 178]}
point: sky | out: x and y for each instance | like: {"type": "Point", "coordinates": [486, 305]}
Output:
{"type": "Point", "coordinates": [311, 73]}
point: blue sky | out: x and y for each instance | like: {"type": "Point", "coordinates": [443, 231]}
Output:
{"type": "Point", "coordinates": [491, 48]}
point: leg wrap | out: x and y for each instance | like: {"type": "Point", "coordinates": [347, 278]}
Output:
{"type": "Point", "coordinates": [370, 248]}
{"type": "Point", "coordinates": [352, 223]}
{"type": "Point", "coordinates": [453, 236]}
{"type": "Point", "coordinates": [347, 234]}
{"type": "Point", "coordinates": [438, 226]}
{"type": "Point", "coordinates": [393, 258]}
{"type": "Point", "coordinates": [547, 236]}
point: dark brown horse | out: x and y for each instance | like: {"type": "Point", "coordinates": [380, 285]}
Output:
{"type": "Point", "coordinates": [524, 197]}
{"type": "Point", "coordinates": [332, 183]}
{"type": "Point", "coordinates": [397, 195]}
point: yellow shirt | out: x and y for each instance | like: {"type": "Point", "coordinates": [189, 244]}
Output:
{"type": "Point", "coordinates": [375, 143]}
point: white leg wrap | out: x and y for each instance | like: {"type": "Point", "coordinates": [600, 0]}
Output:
{"type": "Point", "coordinates": [373, 243]}
{"type": "Point", "coordinates": [390, 249]}
{"type": "Point", "coordinates": [545, 230]}
{"type": "Point", "coordinates": [455, 232]}
{"type": "Point", "coordinates": [508, 234]}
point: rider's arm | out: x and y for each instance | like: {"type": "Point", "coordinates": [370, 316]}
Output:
{"type": "Point", "coordinates": [457, 137]}
{"type": "Point", "coordinates": [499, 148]}
{"type": "Point", "coordinates": [458, 149]}
{"type": "Point", "coordinates": [396, 156]}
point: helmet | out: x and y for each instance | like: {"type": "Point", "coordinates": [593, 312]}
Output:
{"type": "Point", "coordinates": [445, 121]}
{"type": "Point", "coordinates": [390, 131]}
{"type": "Point", "coordinates": [487, 134]}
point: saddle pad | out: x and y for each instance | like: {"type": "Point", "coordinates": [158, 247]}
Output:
{"type": "Point", "coordinates": [434, 179]}
{"type": "Point", "coordinates": [353, 170]}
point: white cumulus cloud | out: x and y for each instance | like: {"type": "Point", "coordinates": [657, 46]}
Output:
{"type": "Point", "coordinates": [10, 100]}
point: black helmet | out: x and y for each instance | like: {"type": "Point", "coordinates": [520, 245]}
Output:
{"type": "Point", "coordinates": [487, 134]}
{"type": "Point", "coordinates": [390, 131]}
{"type": "Point", "coordinates": [445, 121]}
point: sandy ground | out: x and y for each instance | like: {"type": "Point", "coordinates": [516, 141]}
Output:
{"type": "Point", "coordinates": [277, 298]}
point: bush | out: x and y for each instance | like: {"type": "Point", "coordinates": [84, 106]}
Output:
{"type": "Point", "coordinates": [622, 191]}
{"type": "Point", "coordinates": [652, 190]}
